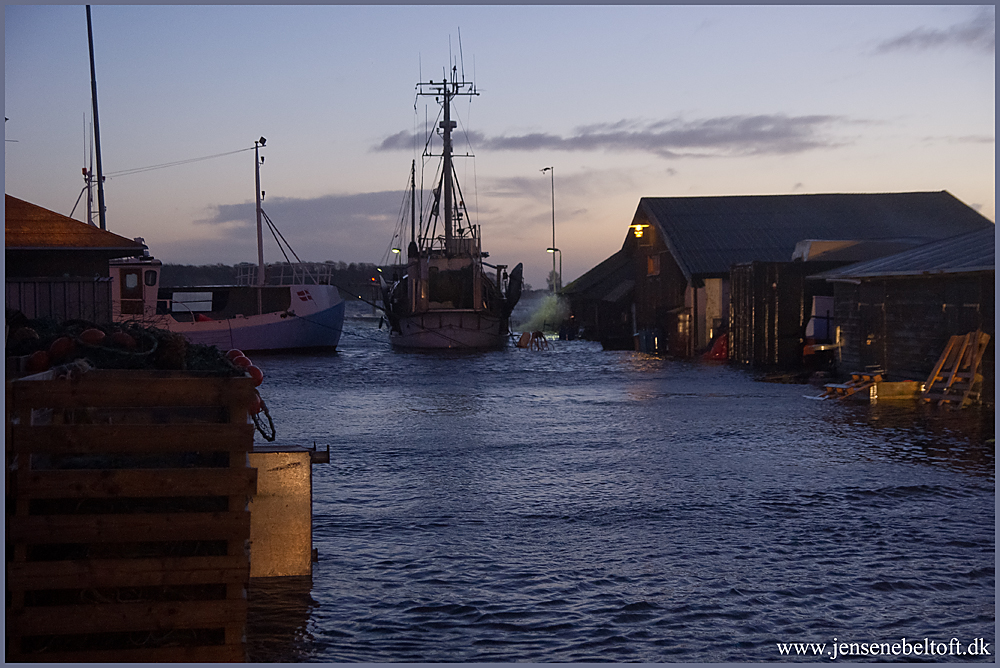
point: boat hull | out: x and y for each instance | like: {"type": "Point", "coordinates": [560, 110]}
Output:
{"type": "Point", "coordinates": [269, 331]}
{"type": "Point", "coordinates": [450, 329]}
{"type": "Point", "coordinates": [313, 319]}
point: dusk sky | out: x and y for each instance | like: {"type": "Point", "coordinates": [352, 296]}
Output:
{"type": "Point", "coordinates": [623, 102]}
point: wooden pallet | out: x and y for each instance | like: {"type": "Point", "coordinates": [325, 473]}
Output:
{"type": "Point", "coordinates": [860, 381]}
{"type": "Point", "coordinates": [955, 380]}
{"type": "Point", "coordinates": [127, 520]}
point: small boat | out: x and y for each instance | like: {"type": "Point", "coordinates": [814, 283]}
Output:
{"type": "Point", "coordinates": [447, 298]}
{"type": "Point", "coordinates": [287, 306]}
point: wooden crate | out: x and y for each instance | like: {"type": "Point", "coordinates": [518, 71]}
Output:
{"type": "Point", "coordinates": [127, 519]}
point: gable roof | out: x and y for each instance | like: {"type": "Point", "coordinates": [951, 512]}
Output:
{"type": "Point", "coordinates": [31, 227]}
{"type": "Point", "coordinates": [965, 253]}
{"type": "Point", "coordinates": [707, 235]}
{"type": "Point", "coordinates": [609, 281]}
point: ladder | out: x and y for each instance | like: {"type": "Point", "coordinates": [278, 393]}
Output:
{"type": "Point", "coordinates": [956, 380]}
{"type": "Point", "coordinates": [860, 380]}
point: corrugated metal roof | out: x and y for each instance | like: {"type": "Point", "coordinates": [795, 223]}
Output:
{"type": "Point", "coordinates": [30, 227]}
{"type": "Point", "coordinates": [965, 253]}
{"type": "Point", "coordinates": [707, 235]}
{"type": "Point", "coordinates": [601, 272]}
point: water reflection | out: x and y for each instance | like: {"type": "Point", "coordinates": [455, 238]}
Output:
{"type": "Point", "coordinates": [277, 619]}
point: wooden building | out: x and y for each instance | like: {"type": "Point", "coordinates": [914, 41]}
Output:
{"type": "Point", "coordinates": [682, 248]}
{"type": "Point", "coordinates": [57, 266]}
{"type": "Point", "coordinates": [898, 312]}
{"type": "Point", "coordinates": [601, 302]}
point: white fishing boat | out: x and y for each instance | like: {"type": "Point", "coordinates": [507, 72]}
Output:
{"type": "Point", "coordinates": [287, 306]}
{"type": "Point", "coordinates": [444, 296]}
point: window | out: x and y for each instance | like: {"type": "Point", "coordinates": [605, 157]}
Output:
{"type": "Point", "coordinates": [653, 265]}
{"type": "Point", "coordinates": [150, 278]}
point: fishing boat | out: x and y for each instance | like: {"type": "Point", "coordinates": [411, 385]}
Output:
{"type": "Point", "coordinates": [285, 306]}
{"type": "Point", "coordinates": [445, 295]}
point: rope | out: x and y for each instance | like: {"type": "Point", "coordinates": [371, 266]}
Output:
{"type": "Point", "coordinates": [259, 423]}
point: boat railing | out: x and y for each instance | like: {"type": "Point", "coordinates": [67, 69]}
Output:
{"type": "Point", "coordinates": [287, 273]}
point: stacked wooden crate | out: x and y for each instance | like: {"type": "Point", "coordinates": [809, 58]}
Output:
{"type": "Point", "coordinates": [127, 520]}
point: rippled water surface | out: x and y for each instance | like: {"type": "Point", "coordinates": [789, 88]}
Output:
{"type": "Point", "coordinates": [581, 505]}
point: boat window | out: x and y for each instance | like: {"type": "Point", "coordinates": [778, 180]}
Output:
{"type": "Point", "coordinates": [131, 281]}
{"type": "Point", "coordinates": [150, 277]}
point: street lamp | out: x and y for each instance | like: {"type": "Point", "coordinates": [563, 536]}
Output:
{"type": "Point", "coordinates": [553, 249]}
{"type": "Point", "coordinates": [556, 287]}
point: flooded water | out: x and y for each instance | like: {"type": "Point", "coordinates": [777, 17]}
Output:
{"type": "Point", "coordinates": [580, 505]}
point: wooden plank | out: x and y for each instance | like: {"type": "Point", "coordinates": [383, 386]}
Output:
{"type": "Point", "coordinates": [121, 617]}
{"type": "Point", "coordinates": [166, 571]}
{"type": "Point", "coordinates": [141, 483]}
{"type": "Point", "coordinates": [934, 375]}
{"type": "Point", "coordinates": [205, 654]}
{"type": "Point", "coordinates": [97, 390]}
{"type": "Point", "coordinates": [138, 439]}
{"type": "Point", "coordinates": [141, 527]}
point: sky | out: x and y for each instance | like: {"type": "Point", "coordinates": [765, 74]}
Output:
{"type": "Point", "coordinates": [622, 102]}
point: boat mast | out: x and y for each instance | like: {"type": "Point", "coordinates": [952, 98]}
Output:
{"type": "Point", "coordinates": [413, 202]}
{"type": "Point", "coordinates": [447, 125]}
{"type": "Point", "coordinates": [260, 234]}
{"type": "Point", "coordinates": [446, 90]}
{"type": "Point", "coordinates": [97, 126]}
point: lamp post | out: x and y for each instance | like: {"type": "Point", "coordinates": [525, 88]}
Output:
{"type": "Point", "coordinates": [553, 249]}
{"type": "Point", "coordinates": [556, 287]}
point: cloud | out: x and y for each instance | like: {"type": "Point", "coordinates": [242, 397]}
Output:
{"type": "Point", "coordinates": [724, 136]}
{"type": "Point", "coordinates": [332, 227]}
{"type": "Point", "coordinates": [978, 33]}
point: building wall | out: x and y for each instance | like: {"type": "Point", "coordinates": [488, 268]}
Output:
{"type": "Point", "coordinates": [663, 306]}
{"type": "Point", "coordinates": [904, 324]}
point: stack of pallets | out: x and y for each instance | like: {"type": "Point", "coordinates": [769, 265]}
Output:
{"type": "Point", "coordinates": [955, 380]}
{"type": "Point", "coordinates": [861, 381]}
{"type": "Point", "coordinates": [127, 520]}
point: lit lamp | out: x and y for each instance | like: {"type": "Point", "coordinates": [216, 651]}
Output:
{"type": "Point", "coordinates": [638, 230]}
{"type": "Point", "coordinates": [557, 280]}
{"type": "Point", "coordinates": [396, 251]}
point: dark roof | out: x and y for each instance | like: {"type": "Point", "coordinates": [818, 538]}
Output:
{"type": "Point", "coordinates": [965, 253]}
{"type": "Point", "coordinates": [30, 227]}
{"type": "Point", "coordinates": [610, 280]}
{"type": "Point", "coordinates": [707, 235]}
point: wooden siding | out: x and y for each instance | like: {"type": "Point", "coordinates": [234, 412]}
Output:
{"type": "Point", "coordinates": [903, 324]}
{"type": "Point", "coordinates": [769, 306]}
{"type": "Point", "coordinates": [61, 298]}
{"type": "Point", "coordinates": [660, 299]}
{"type": "Point", "coordinates": [127, 519]}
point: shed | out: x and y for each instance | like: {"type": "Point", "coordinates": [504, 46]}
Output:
{"type": "Point", "coordinates": [601, 301]}
{"type": "Point", "coordinates": [684, 247]}
{"type": "Point", "coordinates": [899, 311]}
{"type": "Point", "coordinates": [57, 266]}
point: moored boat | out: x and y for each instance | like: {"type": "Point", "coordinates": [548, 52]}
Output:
{"type": "Point", "coordinates": [447, 298]}
{"type": "Point", "coordinates": [288, 306]}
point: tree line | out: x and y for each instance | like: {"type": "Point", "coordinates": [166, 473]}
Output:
{"type": "Point", "coordinates": [353, 279]}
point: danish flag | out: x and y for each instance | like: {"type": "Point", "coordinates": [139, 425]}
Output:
{"type": "Point", "coordinates": [305, 296]}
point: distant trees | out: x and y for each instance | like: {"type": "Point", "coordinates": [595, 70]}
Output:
{"type": "Point", "coordinates": [353, 279]}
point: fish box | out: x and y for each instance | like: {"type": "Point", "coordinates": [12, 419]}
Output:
{"type": "Point", "coordinates": [127, 517]}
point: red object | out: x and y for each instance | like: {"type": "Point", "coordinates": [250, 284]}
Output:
{"type": "Point", "coordinates": [233, 354]}
{"type": "Point", "coordinates": [242, 361]}
{"type": "Point", "coordinates": [92, 336]}
{"type": "Point", "coordinates": [201, 317]}
{"type": "Point", "coordinates": [38, 361]}
{"type": "Point", "coordinates": [123, 340]}
{"type": "Point", "coordinates": [720, 349]}
{"type": "Point", "coordinates": [256, 405]}
{"type": "Point", "coordinates": [61, 349]}
{"type": "Point", "coordinates": [256, 374]}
